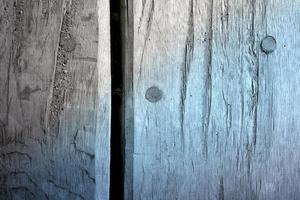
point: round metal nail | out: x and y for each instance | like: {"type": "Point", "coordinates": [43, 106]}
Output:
{"type": "Point", "coordinates": [153, 94]}
{"type": "Point", "coordinates": [268, 44]}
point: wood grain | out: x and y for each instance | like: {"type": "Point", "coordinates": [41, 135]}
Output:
{"type": "Point", "coordinates": [103, 109]}
{"type": "Point", "coordinates": [54, 103]}
{"type": "Point", "coordinates": [227, 126]}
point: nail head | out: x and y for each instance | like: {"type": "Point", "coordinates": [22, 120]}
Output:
{"type": "Point", "coordinates": [153, 94]}
{"type": "Point", "coordinates": [268, 44]}
{"type": "Point", "coordinates": [69, 44]}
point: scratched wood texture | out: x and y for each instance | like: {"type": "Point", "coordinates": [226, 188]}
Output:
{"type": "Point", "coordinates": [54, 99]}
{"type": "Point", "coordinates": [228, 123]}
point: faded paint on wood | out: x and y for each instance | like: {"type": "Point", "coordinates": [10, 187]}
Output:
{"type": "Point", "coordinates": [227, 126]}
{"type": "Point", "coordinates": [53, 104]}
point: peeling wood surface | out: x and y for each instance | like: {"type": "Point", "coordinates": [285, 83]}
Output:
{"type": "Point", "coordinates": [54, 103]}
{"type": "Point", "coordinates": [227, 126]}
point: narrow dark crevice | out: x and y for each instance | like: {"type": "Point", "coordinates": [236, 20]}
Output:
{"type": "Point", "coordinates": [116, 168]}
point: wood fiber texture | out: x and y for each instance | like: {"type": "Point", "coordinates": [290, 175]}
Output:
{"type": "Point", "coordinates": [228, 123]}
{"type": "Point", "coordinates": [54, 99]}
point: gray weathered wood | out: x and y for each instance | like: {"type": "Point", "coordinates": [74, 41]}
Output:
{"type": "Point", "coordinates": [103, 122]}
{"type": "Point", "coordinates": [227, 126]}
{"type": "Point", "coordinates": [55, 102]}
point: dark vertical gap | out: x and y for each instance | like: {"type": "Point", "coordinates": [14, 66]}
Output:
{"type": "Point", "coordinates": [116, 168]}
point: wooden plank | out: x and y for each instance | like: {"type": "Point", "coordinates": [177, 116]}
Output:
{"type": "Point", "coordinates": [220, 119]}
{"type": "Point", "coordinates": [278, 152]}
{"type": "Point", "coordinates": [104, 103]}
{"type": "Point", "coordinates": [53, 86]}
{"type": "Point", "coordinates": [166, 149]}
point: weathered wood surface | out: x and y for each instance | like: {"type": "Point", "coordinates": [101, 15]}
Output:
{"type": "Point", "coordinates": [54, 102]}
{"type": "Point", "coordinates": [227, 124]}
{"type": "Point", "coordinates": [103, 109]}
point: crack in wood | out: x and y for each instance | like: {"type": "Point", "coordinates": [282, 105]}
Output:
{"type": "Point", "coordinates": [188, 58]}
{"type": "Point", "coordinates": [91, 156]}
{"type": "Point", "coordinates": [147, 33]}
{"type": "Point", "coordinates": [208, 84]}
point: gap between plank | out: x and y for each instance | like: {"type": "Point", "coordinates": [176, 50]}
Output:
{"type": "Point", "coordinates": [117, 149]}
